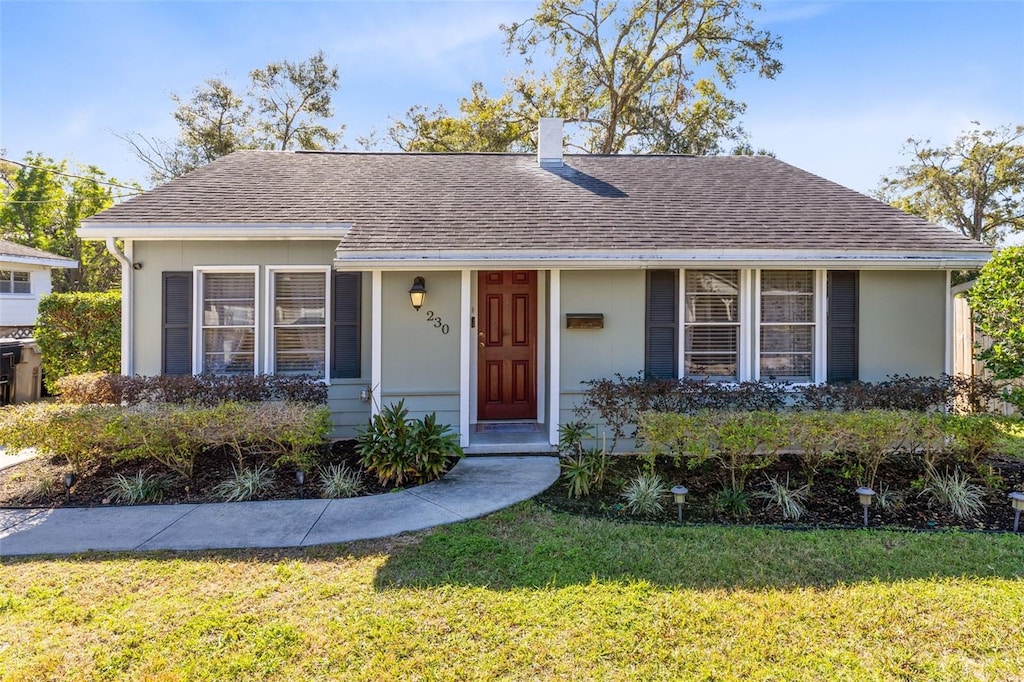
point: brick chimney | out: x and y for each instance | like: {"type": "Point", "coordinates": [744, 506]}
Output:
{"type": "Point", "coordinates": [549, 142]}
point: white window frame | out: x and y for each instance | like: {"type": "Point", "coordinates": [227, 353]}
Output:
{"type": "Point", "coordinates": [818, 351]}
{"type": "Point", "coordinates": [741, 324]}
{"type": "Point", "coordinates": [10, 281]}
{"type": "Point", "coordinates": [269, 360]}
{"type": "Point", "coordinates": [197, 307]}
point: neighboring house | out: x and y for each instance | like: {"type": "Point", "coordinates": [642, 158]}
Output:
{"type": "Point", "coordinates": [539, 274]}
{"type": "Point", "coordinates": [24, 280]}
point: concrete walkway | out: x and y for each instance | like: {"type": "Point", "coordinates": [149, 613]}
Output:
{"type": "Point", "coordinates": [474, 487]}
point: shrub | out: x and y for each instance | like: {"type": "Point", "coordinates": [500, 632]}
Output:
{"type": "Point", "coordinates": [816, 438]}
{"type": "Point", "coordinates": [100, 387]}
{"type": "Point", "coordinates": [136, 489]}
{"type": "Point", "coordinates": [733, 502]}
{"type": "Point", "coordinates": [789, 501]}
{"type": "Point", "coordinates": [644, 494]}
{"type": "Point", "coordinates": [398, 449]}
{"type": "Point", "coordinates": [955, 492]}
{"type": "Point", "coordinates": [174, 435]}
{"type": "Point", "coordinates": [337, 481]}
{"type": "Point", "coordinates": [247, 484]}
{"type": "Point", "coordinates": [744, 442]}
{"type": "Point", "coordinates": [971, 436]}
{"type": "Point", "coordinates": [870, 438]}
{"type": "Point", "coordinates": [79, 433]}
{"type": "Point", "coordinates": [79, 332]}
{"type": "Point", "coordinates": [995, 302]}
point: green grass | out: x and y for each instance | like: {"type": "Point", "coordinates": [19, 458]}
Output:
{"type": "Point", "coordinates": [531, 594]}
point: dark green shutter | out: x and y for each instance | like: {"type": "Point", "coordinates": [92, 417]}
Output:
{"type": "Point", "coordinates": [345, 298]}
{"type": "Point", "coordinates": [662, 352]}
{"type": "Point", "coordinates": [176, 347]}
{"type": "Point", "coordinates": [842, 326]}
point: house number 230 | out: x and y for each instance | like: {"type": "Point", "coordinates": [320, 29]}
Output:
{"type": "Point", "coordinates": [438, 323]}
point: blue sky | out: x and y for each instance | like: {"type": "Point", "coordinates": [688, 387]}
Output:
{"type": "Point", "coordinates": [859, 77]}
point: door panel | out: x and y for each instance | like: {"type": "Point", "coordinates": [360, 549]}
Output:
{"type": "Point", "coordinates": [507, 344]}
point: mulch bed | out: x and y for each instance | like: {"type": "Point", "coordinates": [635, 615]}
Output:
{"type": "Point", "coordinates": [21, 485]}
{"type": "Point", "coordinates": [833, 502]}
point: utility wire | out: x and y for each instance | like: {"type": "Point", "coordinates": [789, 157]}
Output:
{"type": "Point", "coordinates": [135, 190]}
{"type": "Point", "coordinates": [53, 201]}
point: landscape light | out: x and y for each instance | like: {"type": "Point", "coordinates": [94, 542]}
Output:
{"type": "Point", "coordinates": [69, 480]}
{"type": "Point", "coordinates": [865, 495]}
{"type": "Point", "coordinates": [679, 493]}
{"type": "Point", "coordinates": [300, 478]}
{"type": "Point", "coordinates": [1017, 500]}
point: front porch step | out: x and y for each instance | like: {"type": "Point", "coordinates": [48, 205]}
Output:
{"type": "Point", "coordinates": [483, 449]}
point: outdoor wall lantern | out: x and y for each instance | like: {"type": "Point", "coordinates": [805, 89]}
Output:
{"type": "Point", "coordinates": [679, 493]}
{"type": "Point", "coordinates": [865, 495]}
{"type": "Point", "coordinates": [1017, 500]}
{"type": "Point", "coordinates": [300, 478]}
{"type": "Point", "coordinates": [418, 292]}
{"type": "Point", "coordinates": [69, 480]}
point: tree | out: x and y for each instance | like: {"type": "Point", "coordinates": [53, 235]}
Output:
{"type": "Point", "coordinates": [43, 205]}
{"type": "Point", "coordinates": [486, 125]}
{"type": "Point", "coordinates": [997, 307]}
{"type": "Point", "coordinates": [975, 184]}
{"type": "Point", "coordinates": [638, 75]}
{"type": "Point", "coordinates": [284, 107]}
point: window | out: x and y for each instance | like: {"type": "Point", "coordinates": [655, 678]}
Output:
{"type": "Point", "coordinates": [787, 330]}
{"type": "Point", "coordinates": [661, 359]}
{"type": "Point", "coordinates": [228, 320]}
{"type": "Point", "coordinates": [14, 282]}
{"type": "Point", "coordinates": [299, 319]}
{"type": "Point", "coordinates": [711, 324]}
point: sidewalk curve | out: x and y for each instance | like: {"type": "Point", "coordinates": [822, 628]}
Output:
{"type": "Point", "coordinates": [474, 487]}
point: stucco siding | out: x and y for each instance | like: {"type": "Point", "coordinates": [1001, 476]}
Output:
{"type": "Point", "coordinates": [347, 410]}
{"type": "Point", "coordinates": [420, 362]}
{"type": "Point", "coordinates": [619, 346]}
{"type": "Point", "coordinates": [902, 323]}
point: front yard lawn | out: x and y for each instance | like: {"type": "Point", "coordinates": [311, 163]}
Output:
{"type": "Point", "coordinates": [528, 593]}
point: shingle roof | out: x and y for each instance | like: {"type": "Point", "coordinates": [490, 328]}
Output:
{"type": "Point", "coordinates": [406, 202]}
{"type": "Point", "coordinates": [11, 249]}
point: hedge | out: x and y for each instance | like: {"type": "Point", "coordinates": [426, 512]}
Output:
{"type": "Point", "coordinates": [79, 332]}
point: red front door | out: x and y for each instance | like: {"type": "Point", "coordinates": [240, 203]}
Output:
{"type": "Point", "coordinates": [507, 336]}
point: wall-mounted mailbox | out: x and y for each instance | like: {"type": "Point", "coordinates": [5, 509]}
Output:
{"type": "Point", "coordinates": [584, 320]}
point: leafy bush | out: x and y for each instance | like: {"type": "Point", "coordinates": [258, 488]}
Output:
{"type": "Point", "coordinates": [620, 401]}
{"type": "Point", "coordinates": [247, 484]}
{"type": "Point", "coordinates": [972, 436]}
{"type": "Point", "coordinates": [995, 301]}
{"type": "Point", "coordinates": [77, 433]}
{"type": "Point", "coordinates": [644, 494]}
{"type": "Point", "coordinates": [338, 481]}
{"type": "Point", "coordinates": [816, 439]}
{"type": "Point", "coordinates": [399, 449]}
{"type": "Point", "coordinates": [136, 489]}
{"type": "Point", "coordinates": [207, 389]}
{"type": "Point", "coordinates": [79, 332]}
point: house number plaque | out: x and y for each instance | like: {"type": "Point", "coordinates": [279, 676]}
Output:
{"type": "Point", "coordinates": [438, 322]}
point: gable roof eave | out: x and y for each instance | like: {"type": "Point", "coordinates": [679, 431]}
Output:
{"type": "Point", "coordinates": [99, 230]}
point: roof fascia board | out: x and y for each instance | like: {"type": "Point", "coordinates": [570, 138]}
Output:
{"type": "Point", "coordinates": [655, 259]}
{"type": "Point", "coordinates": [55, 262]}
{"type": "Point", "coordinates": [220, 231]}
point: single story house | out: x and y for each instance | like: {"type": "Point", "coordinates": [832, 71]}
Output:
{"type": "Point", "coordinates": [24, 280]}
{"type": "Point", "coordinates": [487, 287]}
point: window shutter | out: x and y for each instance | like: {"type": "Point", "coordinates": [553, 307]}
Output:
{"type": "Point", "coordinates": [176, 352]}
{"type": "Point", "coordinates": [345, 352]}
{"type": "Point", "coordinates": [662, 353]}
{"type": "Point", "coordinates": [842, 326]}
